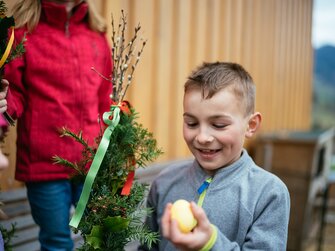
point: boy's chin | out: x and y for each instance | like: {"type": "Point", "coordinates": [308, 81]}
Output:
{"type": "Point", "coordinates": [210, 168]}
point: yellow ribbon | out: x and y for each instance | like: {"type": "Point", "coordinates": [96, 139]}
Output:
{"type": "Point", "coordinates": [8, 48]}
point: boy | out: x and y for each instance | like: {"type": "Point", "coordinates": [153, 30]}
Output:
{"type": "Point", "coordinates": [240, 205]}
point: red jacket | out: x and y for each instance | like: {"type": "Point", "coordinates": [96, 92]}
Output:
{"type": "Point", "coordinates": [52, 85]}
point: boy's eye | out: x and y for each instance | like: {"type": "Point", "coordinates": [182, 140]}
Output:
{"type": "Point", "coordinates": [219, 126]}
{"type": "Point", "coordinates": [191, 124]}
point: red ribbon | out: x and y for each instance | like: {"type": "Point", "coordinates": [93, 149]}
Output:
{"type": "Point", "coordinates": [125, 109]}
{"type": "Point", "coordinates": [129, 182]}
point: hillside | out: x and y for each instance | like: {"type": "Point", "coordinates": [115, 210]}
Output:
{"type": "Point", "coordinates": [324, 87]}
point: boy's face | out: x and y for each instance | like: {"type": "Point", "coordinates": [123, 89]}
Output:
{"type": "Point", "coordinates": [214, 129]}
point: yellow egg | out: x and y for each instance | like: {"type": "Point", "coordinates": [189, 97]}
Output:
{"type": "Point", "coordinates": [182, 213]}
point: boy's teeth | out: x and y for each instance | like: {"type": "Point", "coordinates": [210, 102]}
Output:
{"type": "Point", "coordinates": [207, 151]}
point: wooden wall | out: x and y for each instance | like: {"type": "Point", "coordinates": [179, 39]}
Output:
{"type": "Point", "coordinates": [270, 38]}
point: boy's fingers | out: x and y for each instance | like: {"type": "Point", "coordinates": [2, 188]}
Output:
{"type": "Point", "coordinates": [200, 215]}
{"type": "Point", "coordinates": [166, 220]}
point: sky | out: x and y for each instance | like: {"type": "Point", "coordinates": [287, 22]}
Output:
{"type": "Point", "coordinates": [323, 30]}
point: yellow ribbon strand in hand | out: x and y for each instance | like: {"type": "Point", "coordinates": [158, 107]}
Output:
{"type": "Point", "coordinates": [8, 48]}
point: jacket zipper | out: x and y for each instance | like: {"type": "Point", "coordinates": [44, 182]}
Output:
{"type": "Point", "coordinates": [67, 31]}
{"type": "Point", "coordinates": [202, 190]}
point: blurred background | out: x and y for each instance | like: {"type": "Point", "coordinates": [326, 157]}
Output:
{"type": "Point", "coordinates": [324, 64]}
{"type": "Point", "coordinates": [288, 46]}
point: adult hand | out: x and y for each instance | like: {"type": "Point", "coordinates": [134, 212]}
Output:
{"type": "Point", "coordinates": [3, 94]}
{"type": "Point", "coordinates": [194, 240]}
{"type": "Point", "coordinates": [3, 161]}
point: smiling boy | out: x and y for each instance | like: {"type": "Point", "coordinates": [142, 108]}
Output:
{"type": "Point", "coordinates": [240, 206]}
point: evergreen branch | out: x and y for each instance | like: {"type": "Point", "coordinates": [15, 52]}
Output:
{"type": "Point", "coordinates": [8, 235]}
{"type": "Point", "coordinates": [18, 51]}
{"type": "Point", "coordinates": [144, 235]}
{"type": "Point", "coordinates": [61, 161]}
{"type": "Point", "coordinates": [77, 137]}
{"type": "Point", "coordinates": [3, 8]}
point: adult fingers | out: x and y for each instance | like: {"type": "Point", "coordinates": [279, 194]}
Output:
{"type": "Point", "coordinates": [4, 84]}
{"type": "Point", "coordinates": [3, 105]}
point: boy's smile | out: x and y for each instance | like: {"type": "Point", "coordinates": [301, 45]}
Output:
{"type": "Point", "coordinates": [215, 128]}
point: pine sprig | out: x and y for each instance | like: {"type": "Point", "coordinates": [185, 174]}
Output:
{"type": "Point", "coordinates": [8, 235]}
{"type": "Point", "coordinates": [17, 51]}
{"type": "Point", "coordinates": [3, 9]}
{"type": "Point", "coordinates": [63, 162]}
{"type": "Point", "coordinates": [77, 137]}
{"type": "Point", "coordinates": [144, 235]}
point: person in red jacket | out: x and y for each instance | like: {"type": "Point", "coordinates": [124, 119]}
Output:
{"type": "Point", "coordinates": [3, 127]}
{"type": "Point", "coordinates": [53, 86]}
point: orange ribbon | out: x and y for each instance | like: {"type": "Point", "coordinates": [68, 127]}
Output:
{"type": "Point", "coordinates": [124, 106]}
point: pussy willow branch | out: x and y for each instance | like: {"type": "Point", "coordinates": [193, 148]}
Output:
{"type": "Point", "coordinates": [123, 53]}
{"type": "Point", "coordinates": [119, 54]}
{"type": "Point", "coordinates": [130, 77]}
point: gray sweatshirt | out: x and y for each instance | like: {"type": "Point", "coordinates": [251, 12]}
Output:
{"type": "Point", "coordinates": [249, 206]}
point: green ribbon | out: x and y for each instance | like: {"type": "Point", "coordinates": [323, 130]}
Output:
{"type": "Point", "coordinates": [202, 191]}
{"type": "Point", "coordinates": [98, 158]}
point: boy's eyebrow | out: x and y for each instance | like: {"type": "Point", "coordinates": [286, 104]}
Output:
{"type": "Point", "coordinates": [187, 114]}
{"type": "Point", "coordinates": [211, 117]}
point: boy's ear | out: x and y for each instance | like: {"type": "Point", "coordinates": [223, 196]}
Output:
{"type": "Point", "coordinates": [253, 124]}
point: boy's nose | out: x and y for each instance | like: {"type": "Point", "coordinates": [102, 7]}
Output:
{"type": "Point", "coordinates": [204, 137]}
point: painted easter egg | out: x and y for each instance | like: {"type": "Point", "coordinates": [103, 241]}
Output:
{"type": "Point", "coordinates": [182, 213]}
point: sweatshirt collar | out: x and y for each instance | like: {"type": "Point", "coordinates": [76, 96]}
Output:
{"type": "Point", "coordinates": [227, 173]}
{"type": "Point", "coordinates": [56, 14]}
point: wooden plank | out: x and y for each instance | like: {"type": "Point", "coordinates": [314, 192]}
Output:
{"type": "Point", "coordinates": [13, 195]}
{"type": "Point", "coordinates": [20, 222]}
{"type": "Point", "coordinates": [17, 208]}
{"type": "Point", "coordinates": [31, 246]}
{"type": "Point", "coordinates": [25, 236]}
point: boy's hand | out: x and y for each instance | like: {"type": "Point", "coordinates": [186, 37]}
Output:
{"type": "Point", "coordinates": [194, 240]}
{"type": "Point", "coordinates": [3, 94]}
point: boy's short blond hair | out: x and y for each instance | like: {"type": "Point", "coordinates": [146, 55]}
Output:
{"type": "Point", "coordinates": [213, 77]}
